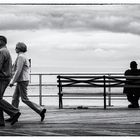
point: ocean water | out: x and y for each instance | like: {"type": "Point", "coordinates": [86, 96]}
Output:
{"type": "Point", "coordinates": [52, 96]}
{"type": "Point", "coordinates": [50, 93]}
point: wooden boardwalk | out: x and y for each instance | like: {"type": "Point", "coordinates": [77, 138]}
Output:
{"type": "Point", "coordinates": [76, 122]}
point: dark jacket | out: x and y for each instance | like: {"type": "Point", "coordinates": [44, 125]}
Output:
{"type": "Point", "coordinates": [5, 64]}
{"type": "Point", "coordinates": [132, 72]}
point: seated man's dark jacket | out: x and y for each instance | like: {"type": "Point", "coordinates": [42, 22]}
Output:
{"type": "Point", "coordinates": [130, 81]}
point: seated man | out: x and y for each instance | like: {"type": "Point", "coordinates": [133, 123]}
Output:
{"type": "Point", "coordinates": [132, 93]}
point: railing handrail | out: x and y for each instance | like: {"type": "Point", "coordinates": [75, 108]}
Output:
{"type": "Point", "coordinates": [40, 83]}
{"type": "Point", "coordinates": [78, 73]}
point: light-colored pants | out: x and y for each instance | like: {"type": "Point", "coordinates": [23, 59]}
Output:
{"type": "Point", "coordinates": [4, 105]}
{"type": "Point", "coordinates": [21, 91]}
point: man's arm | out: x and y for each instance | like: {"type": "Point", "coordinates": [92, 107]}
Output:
{"type": "Point", "coordinates": [19, 66]}
{"type": "Point", "coordinates": [1, 60]}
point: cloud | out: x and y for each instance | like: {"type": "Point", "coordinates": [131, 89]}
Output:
{"type": "Point", "coordinates": [113, 18]}
{"type": "Point", "coordinates": [13, 22]}
{"type": "Point", "coordinates": [102, 52]}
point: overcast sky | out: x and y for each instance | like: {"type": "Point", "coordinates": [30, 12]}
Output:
{"type": "Point", "coordinates": [94, 38]}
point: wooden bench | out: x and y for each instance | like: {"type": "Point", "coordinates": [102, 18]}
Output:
{"type": "Point", "coordinates": [104, 82]}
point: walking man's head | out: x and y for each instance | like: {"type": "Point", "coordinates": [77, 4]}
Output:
{"type": "Point", "coordinates": [3, 41]}
{"type": "Point", "coordinates": [133, 65]}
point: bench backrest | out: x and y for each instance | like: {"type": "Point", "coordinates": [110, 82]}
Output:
{"type": "Point", "coordinates": [98, 81]}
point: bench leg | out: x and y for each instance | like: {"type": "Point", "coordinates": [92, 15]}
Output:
{"type": "Point", "coordinates": [60, 102]}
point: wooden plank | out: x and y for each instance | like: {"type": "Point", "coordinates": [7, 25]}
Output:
{"type": "Point", "coordinates": [115, 121]}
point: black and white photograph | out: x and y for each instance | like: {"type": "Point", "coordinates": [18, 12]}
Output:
{"type": "Point", "coordinates": [69, 69]}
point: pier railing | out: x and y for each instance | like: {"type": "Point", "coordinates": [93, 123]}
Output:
{"type": "Point", "coordinates": [40, 83]}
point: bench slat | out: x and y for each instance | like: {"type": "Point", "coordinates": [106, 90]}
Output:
{"type": "Point", "coordinates": [91, 94]}
{"type": "Point", "coordinates": [81, 94]}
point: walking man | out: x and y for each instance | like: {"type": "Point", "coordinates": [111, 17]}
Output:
{"type": "Point", "coordinates": [5, 76]}
{"type": "Point", "coordinates": [21, 77]}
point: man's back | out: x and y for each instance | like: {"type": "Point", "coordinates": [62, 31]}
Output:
{"type": "Point", "coordinates": [132, 72]}
{"type": "Point", "coordinates": [131, 81]}
{"type": "Point", "coordinates": [5, 64]}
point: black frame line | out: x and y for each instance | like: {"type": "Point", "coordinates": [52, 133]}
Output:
{"type": "Point", "coordinates": [65, 4]}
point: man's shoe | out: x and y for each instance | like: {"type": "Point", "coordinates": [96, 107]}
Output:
{"type": "Point", "coordinates": [136, 106]}
{"type": "Point", "coordinates": [42, 114]}
{"type": "Point", "coordinates": [130, 106]}
{"type": "Point", "coordinates": [15, 118]}
{"type": "Point", "coordinates": [2, 125]}
{"type": "Point", "coordinates": [133, 106]}
{"type": "Point", "coordinates": [8, 120]}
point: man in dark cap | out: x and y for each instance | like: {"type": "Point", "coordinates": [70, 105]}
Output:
{"type": "Point", "coordinates": [132, 93]}
{"type": "Point", "coordinates": [5, 76]}
{"type": "Point", "coordinates": [3, 38]}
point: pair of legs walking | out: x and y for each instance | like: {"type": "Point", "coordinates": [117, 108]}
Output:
{"type": "Point", "coordinates": [21, 91]}
{"type": "Point", "coordinates": [12, 111]}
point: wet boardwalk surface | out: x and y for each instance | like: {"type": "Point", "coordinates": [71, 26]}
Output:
{"type": "Point", "coordinates": [76, 122]}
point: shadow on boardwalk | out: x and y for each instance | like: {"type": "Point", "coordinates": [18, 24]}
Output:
{"type": "Point", "coordinates": [76, 122]}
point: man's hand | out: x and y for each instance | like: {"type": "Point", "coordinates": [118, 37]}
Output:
{"type": "Point", "coordinates": [11, 84]}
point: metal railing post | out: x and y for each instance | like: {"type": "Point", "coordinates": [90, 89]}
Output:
{"type": "Point", "coordinates": [104, 92]}
{"type": "Point", "coordinates": [40, 89]}
{"type": "Point", "coordinates": [60, 95]}
{"type": "Point", "coordinates": [109, 94]}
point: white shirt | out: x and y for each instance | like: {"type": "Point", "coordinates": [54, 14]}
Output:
{"type": "Point", "coordinates": [20, 69]}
